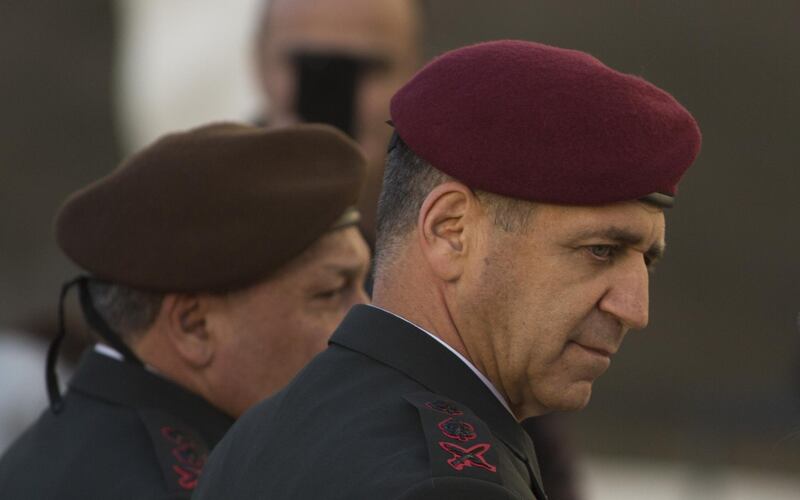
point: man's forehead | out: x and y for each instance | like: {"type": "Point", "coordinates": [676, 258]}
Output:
{"type": "Point", "coordinates": [623, 221]}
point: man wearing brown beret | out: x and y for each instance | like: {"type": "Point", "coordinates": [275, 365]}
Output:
{"type": "Point", "coordinates": [221, 260]}
{"type": "Point", "coordinates": [521, 210]}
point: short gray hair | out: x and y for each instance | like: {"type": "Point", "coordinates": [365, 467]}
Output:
{"type": "Point", "coordinates": [407, 181]}
{"type": "Point", "coordinates": [128, 311]}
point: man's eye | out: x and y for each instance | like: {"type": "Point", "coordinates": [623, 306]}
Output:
{"type": "Point", "coordinates": [650, 262]}
{"type": "Point", "coordinates": [334, 293]}
{"type": "Point", "coordinates": [328, 294]}
{"type": "Point", "coordinates": [603, 252]}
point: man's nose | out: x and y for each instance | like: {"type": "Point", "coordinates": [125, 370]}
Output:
{"type": "Point", "coordinates": [627, 297]}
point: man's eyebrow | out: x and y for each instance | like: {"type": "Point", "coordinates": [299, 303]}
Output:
{"type": "Point", "coordinates": [626, 237]}
{"type": "Point", "coordinates": [615, 233]}
{"type": "Point", "coordinates": [345, 268]}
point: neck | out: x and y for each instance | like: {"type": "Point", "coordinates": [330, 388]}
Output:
{"type": "Point", "coordinates": [426, 307]}
{"type": "Point", "coordinates": [155, 352]}
{"type": "Point", "coordinates": [421, 300]}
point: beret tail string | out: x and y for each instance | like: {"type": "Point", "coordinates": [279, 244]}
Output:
{"type": "Point", "coordinates": [95, 321]}
{"type": "Point", "coordinates": [51, 377]}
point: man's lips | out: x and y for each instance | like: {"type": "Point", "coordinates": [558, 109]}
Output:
{"type": "Point", "coordinates": [604, 351]}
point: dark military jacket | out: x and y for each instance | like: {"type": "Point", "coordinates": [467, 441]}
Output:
{"type": "Point", "coordinates": [123, 433]}
{"type": "Point", "coordinates": [386, 412]}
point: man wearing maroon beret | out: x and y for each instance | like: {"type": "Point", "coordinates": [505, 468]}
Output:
{"type": "Point", "coordinates": [221, 260]}
{"type": "Point", "coordinates": [522, 209]}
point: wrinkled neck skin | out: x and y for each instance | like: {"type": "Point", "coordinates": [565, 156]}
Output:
{"type": "Point", "coordinates": [408, 289]}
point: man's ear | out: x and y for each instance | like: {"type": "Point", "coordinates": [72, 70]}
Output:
{"type": "Point", "coordinates": [186, 327]}
{"type": "Point", "coordinates": [444, 228]}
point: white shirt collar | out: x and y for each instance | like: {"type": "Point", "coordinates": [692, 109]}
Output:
{"type": "Point", "coordinates": [467, 362]}
{"type": "Point", "coordinates": [108, 351]}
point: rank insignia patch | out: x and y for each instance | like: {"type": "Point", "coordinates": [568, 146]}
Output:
{"type": "Point", "coordinates": [467, 457]}
{"type": "Point", "coordinates": [457, 429]}
{"type": "Point", "coordinates": [189, 458]}
{"type": "Point", "coordinates": [459, 443]}
{"type": "Point", "coordinates": [181, 452]}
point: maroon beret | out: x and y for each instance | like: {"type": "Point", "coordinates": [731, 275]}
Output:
{"type": "Point", "coordinates": [214, 208]}
{"type": "Point", "coordinates": [541, 123]}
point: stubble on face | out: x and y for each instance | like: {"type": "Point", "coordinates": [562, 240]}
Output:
{"type": "Point", "coordinates": [538, 328]}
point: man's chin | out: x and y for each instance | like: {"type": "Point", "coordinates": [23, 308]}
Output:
{"type": "Point", "coordinates": [573, 399]}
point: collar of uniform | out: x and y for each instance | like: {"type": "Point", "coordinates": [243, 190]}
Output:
{"type": "Point", "coordinates": [402, 345]}
{"type": "Point", "coordinates": [101, 376]}
{"type": "Point", "coordinates": [489, 385]}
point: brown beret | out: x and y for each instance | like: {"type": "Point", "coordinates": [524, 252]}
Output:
{"type": "Point", "coordinates": [541, 123]}
{"type": "Point", "coordinates": [214, 208]}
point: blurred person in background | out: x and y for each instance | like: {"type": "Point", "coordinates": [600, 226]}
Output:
{"type": "Point", "coordinates": [221, 259]}
{"type": "Point", "coordinates": [339, 62]}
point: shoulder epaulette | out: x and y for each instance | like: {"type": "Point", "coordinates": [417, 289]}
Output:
{"type": "Point", "coordinates": [459, 443]}
{"type": "Point", "coordinates": [181, 453]}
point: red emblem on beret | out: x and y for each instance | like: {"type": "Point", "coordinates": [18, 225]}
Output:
{"type": "Point", "coordinates": [541, 123]}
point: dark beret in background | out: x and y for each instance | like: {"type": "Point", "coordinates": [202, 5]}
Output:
{"type": "Point", "coordinates": [541, 123]}
{"type": "Point", "coordinates": [214, 208]}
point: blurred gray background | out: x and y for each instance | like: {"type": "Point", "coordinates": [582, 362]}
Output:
{"type": "Point", "coordinates": [714, 382]}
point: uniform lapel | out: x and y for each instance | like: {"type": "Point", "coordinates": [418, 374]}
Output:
{"type": "Point", "coordinates": [399, 344]}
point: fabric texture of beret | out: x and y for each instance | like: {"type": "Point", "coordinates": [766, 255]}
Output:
{"type": "Point", "coordinates": [546, 124]}
{"type": "Point", "coordinates": [214, 208]}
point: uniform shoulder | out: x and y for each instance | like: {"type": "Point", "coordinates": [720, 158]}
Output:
{"type": "Point", "coordinates": [460, 445]}
{"type": "Point", "coordinates": [92, 449]}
